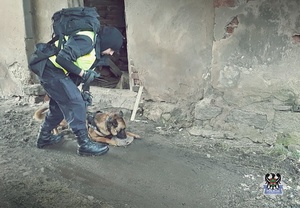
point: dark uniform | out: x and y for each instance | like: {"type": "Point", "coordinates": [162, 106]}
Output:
{"type": "Point", "coordinates": [60, 80]}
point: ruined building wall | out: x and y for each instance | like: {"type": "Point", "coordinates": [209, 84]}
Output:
{"type": "Point", "coordinates": [23, 23]}
{"type": "Point", "coordinates": [255, 87]}
{"type": "Point", "coordinates": [229, 65]}
{"type": "Point", "coordinates": [13, 60]}
{"type": "Point", "coordinates": [169, 44]}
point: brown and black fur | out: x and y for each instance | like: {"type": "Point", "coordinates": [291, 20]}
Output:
{"type": "Point", "coordinates": [101, 126]}
{"type": "Point", "coordinates": [40, 115]}
{"type": "Point", "coordinates": [109, 125]}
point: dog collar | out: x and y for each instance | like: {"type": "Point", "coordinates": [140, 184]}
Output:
{"type": "Point", "coordinates": [92, 124]}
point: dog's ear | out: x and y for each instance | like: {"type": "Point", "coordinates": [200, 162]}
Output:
{"type": "Point", "coordinates": [115, 123]}
{"type": "Point", "coordinates": [112, 121]}
{"type": "Point", "coordinates": [121, 114]}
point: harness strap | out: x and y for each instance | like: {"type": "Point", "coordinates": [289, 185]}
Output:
{"type": "Point", "coordinates": [92, 124]}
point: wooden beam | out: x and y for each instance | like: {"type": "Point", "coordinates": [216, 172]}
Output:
{"type": "Point", "coordinates": [137, 102]}
{"type": "Point", "coordinates": [114, 68]}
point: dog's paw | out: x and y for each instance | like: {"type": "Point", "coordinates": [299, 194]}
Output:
{"type": "Point", "coordinates": [136, 136]}
{"type": "Point", "coordinates": [113, 142]}
{"type": "Point", "coordinates": [123, 142]}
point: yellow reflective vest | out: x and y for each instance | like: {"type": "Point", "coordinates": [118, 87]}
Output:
{"type": "Point", "coordinates": [84, 62]}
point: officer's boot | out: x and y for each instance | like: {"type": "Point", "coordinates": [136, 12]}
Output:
{"type": "Point", "coordinates": [86, 147]}
{"type": "Point", "coordinates": [45, 138]}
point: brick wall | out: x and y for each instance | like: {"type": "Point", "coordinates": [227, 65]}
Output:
{"type": "Point", "coordinates": [112, 13]}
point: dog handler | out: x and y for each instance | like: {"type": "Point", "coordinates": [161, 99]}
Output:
{"type": "Point", "coordinates": [75, 60]}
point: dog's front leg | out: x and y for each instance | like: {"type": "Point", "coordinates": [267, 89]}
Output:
{"type": "Point", "coordinates": [55, 131]}
{"type": "Point", "coordinates": [104, 140]}
{"type": "Point", "coordinates": [136, 136]}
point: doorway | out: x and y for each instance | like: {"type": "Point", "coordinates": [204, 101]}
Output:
{"type": "Point", "coordinates": [115, 73]}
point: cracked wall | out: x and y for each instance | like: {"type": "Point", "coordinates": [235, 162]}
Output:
{"type": "Point", "coordinates": [169, 44]}
{"type": "Point", "coordinates": [255, 69]}
{"type": "Point", "coordinates": [42, 13]}
{"type": "Point", "coordinates": [17, 39]}
{"type": "Point", "coordinates": [13, 60]}
{"type": "Point", "coordinates": [240, 55]}
{"type": "Point", "coordinates": [260, 52]}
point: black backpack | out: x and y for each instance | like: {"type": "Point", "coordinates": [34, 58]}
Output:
{"type": "Point", "coordinates": [69, 21]}
{"type": "Point", "coordinates": [65, 22]}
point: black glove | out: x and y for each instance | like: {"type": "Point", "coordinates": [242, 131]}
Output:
{"type": "Point", "coordinates": [87, 97]}
{"type": "Point", "coordinates": [89, 75]}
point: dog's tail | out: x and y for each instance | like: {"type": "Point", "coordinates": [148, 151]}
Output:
{"type": "Point", "coordinates": [40, 113]}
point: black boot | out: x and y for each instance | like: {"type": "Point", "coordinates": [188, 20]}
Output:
{"type": "Point", "coordinates": [88, 147]}
{"type": "Point", "coordinates": [46, 138]}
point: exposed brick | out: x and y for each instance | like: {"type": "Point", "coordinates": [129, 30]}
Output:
{"type": "Point", "coordinates": [224, 3]}
{"type": "Point", "coordinates": [229, 30]}
{"type": "Point", "coordinates": [135, 75]}
{"type": "Point", "coordinates": [231, 26]}
{"type": "Point", "coordinates": [137, 82]}
{"type": "Point", "coordinates": [234, 22]}
{"type": "Point", "coordinates": [133, 69]}
{"type": "Point", "coordinates": [296, 38]}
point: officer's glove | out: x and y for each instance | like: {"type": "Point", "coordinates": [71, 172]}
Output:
{"type": "Point", "coordinates": [89, 75]}
{"type": "Point", "coordinates": [87, 97]}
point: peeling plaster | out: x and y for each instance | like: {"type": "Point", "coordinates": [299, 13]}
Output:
{"type": "Point", "coordinates": [258, 47]}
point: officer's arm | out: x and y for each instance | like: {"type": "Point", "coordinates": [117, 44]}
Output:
{"type": "Point", "coordinates": [75, 47]}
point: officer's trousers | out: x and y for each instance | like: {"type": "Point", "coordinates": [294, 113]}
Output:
{"type": "Point", "coordinates": [66, 101]}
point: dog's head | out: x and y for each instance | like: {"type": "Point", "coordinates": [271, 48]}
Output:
{"type": "Point", "coordinates": [116, 125]}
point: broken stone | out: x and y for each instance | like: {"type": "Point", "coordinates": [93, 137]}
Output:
{"type": "Point", "coordinates": [283, 108]}
{"type": "Point", "coordinates": [286, 121]}
{"type": "Point", "coordinates": [205, 111]}
{"type": "Point", "coordinates": [27, 173]}
{"type": "Point", "coordinates": [166, 116]}
{"type": "Point", "coordinates": [196, 131]}
{"type": "Point", "coordinates": [270, 139]}
{"type": "Point", "coordinates": [35, 99]}
{"type": "Point", "coordinates": [153, 114]}
{"type": "Point", "coordinates": [294, 148]}
{"type": "Point", "coordinates": [112, 98]}
{"type": "Point", "coordinates": [249, 118]}
{"type": "Point", "coordinates": [154, 111]}
{"type": "Point", "coordinates": [285, 95]}
{"type": "Point", "coordinates": [35, 89]}
{"type": "Point", "coordinates": [198, 123]}
{"type": "Point", "coordinates": [91, 198]}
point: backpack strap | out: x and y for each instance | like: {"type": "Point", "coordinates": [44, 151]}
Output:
{"type": "Point", "coordinates": [55, 38]}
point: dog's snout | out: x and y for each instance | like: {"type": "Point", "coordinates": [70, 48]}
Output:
{"type": "Point", "coordinates": [121, 134]}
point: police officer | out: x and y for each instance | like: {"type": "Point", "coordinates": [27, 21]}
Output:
{"type": "Point", "coordinates": [79, 55]}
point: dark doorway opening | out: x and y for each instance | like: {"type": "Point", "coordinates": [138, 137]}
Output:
{"type": "Point", "coordinates": [115, 74]}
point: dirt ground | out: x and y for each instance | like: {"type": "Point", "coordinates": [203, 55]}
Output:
{"type": "Point", "coordinates": [167, 168]}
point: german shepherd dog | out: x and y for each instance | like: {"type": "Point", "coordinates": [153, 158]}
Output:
{"type": "Point", "coordinates": [109, 128]}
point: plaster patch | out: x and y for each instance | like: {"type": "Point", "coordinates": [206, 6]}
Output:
{"type": "Point", "coordinates": [229, 76]}
{"type": "Point", "coordinates": [18, 74]}
{"type": "Point", "coordinates": [249, 118]}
